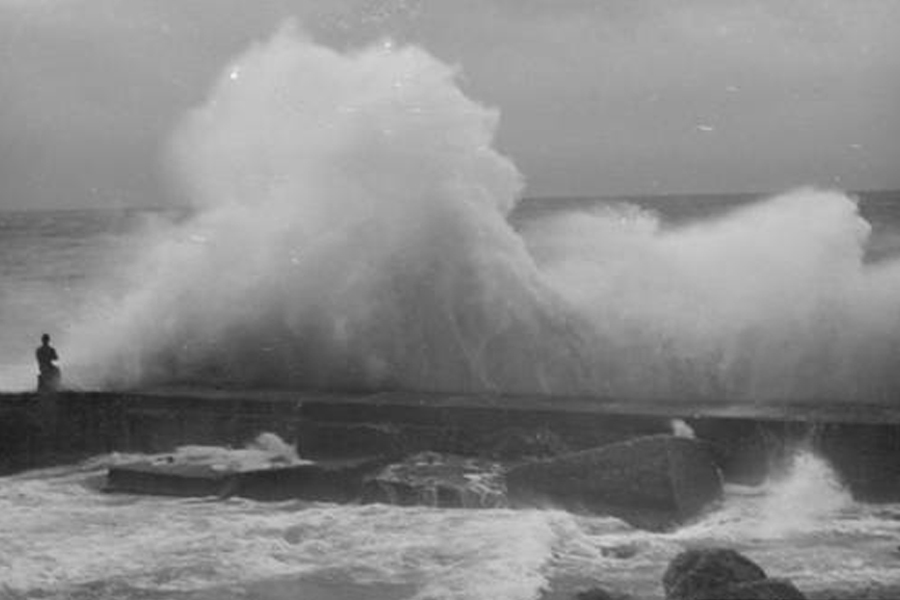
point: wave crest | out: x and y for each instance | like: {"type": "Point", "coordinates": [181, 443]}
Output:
{"type": "Point", "coordinates": [352, 231]}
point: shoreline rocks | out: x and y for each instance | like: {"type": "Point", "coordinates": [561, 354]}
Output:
{"type": "Point", "coordinates": [171, 475]}
{"type": "Point", "coordinates": [438, 480]}
{"type": "Point", "coordinates": [652, 482]}
{"type": "Point", "coordinates": [722, 574]}
{"type": "Point", "coordinates": [599, 593]}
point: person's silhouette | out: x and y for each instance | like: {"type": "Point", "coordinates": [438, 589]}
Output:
{"type": "Point", "coordinates": [49, 377]}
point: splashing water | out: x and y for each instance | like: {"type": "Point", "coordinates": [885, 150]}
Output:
{"type": "Point", "coordinates": [682, 429]}
{"type": "Point", "coordinates": [266, 451]}
{"type": "Point", "coordinates": [62, 539]}
{"type": "Point", "coordinates": [352, 231]}
{"type": "Point", "coordinates": [802, 524]}
{"type": "Point", "coordinates": [804, 500]}
{"type": "Point", "coordinates": [809, 494]}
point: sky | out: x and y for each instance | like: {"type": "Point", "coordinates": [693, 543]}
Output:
{"type": "Point", "coordinates": [596, 97]}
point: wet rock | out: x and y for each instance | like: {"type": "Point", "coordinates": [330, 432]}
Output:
{"type": "Point", "coordinates": [653, 482]}
{"type": "Point", "coordinates": [213, 473]}
{"type": "Point", "coordinates": [700, 574]}
{"type": "Point", "coordinates": [440, 480]}
{"type": "Point", "coordinates": [599, 593]}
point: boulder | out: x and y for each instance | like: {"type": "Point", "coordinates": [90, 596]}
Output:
{"type": "Point", "coordinates": [695, 574]}
{"type": "Point", "coordinates": [653, 482]}
{"type": "Point", "coordinates": [598, 593]}
{"type": "Point", "coordinates": [440, 480]}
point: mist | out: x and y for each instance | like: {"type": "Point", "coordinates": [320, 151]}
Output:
{"type": "Point", "coordinates": [351, 230]}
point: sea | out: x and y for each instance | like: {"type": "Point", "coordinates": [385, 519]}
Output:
{"type": "Point", "coordinates": [61, 538]}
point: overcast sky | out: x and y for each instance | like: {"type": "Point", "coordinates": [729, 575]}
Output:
{"type": "Point", "coordinates": [599, 97]}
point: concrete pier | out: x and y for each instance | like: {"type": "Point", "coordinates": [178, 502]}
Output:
{"type": "Point", "coordinates": [749, 440]}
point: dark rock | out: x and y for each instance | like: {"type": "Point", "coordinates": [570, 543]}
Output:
{"type": "Point", "coordinates": [652, 482]}
{"type": "Point", "coordinates": [330, 480]}
{"type": "Point", "coordinates": [599, 593]}
{"type": "Point", "coordinates": [765, 589]}
{"type": "Point", "coordinates": [694, 574]}
{"type": "Point", "coordinates": [338, 480]}
{"type": "Point", "coordinates": [441, 480]}
{"type": "Point", "coordinates": [165, 478]}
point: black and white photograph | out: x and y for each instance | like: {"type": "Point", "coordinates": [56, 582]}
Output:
{"type": "Point", "coordinates": [449, 300]}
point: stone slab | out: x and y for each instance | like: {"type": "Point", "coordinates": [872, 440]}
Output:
{"type": "Point", "coordinates": [334, 481]}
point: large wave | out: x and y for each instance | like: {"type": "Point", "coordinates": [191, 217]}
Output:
{"type": "Point", "coordinates": [351, 231]}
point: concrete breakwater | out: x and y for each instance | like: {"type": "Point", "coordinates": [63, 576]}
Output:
{"type": "Point", "coordinates": [748, 441]}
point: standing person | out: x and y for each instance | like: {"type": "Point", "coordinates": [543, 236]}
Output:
{"type": "Point", "coordinates": [49, 377]}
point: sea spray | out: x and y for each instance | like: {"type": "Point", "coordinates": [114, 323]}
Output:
{"type": "Point", "coordinates": [266, 451]}
{"type": "Point", "coordinates": [351, 231]}
{"type": "Point", "coordinates": [809, 493]}
{"type": "Point", "coordinates": [803, 499]}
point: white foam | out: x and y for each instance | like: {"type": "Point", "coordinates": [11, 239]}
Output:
{"type": "Point", "coordinates": [801, 525]}
{"type": "Point", "coordinates": [58, 533]}
{"type": "Point", "coordinates": [807, 500]}
{"type": "Point", "coordinates": [681, 429]}
{"type": "Point", "coordinates": [266, 451]}
{"type": "Point", "coordinates": [809, 495]}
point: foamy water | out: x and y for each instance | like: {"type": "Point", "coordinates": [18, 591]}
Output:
{"type": "Point", "coordinates": [801, 524]}
{"type": "Point", "coordinates": [59, 533]}
{"type": "Point", "coordinates": [62, 538]}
